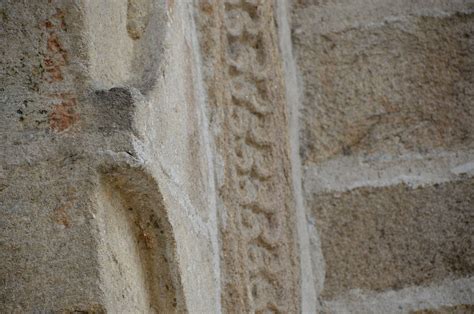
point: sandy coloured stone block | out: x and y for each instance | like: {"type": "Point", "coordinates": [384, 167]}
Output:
{"type": "Point", "coordinates": [394, 237]}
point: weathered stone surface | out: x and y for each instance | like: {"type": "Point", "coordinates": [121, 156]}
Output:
{"type": "Point", "coordinates": [407, 300]}
{"type": "Point", "coordinates": [456, 309]}
{"type": "Point", "coordinates": [257, 215]}
{"type": "Point", "coordinates": [393, 85]}
{"type": "Point", "coordinates": [90, 129]}
{"type": "Point", "coordinates": [137, 246]}
{"type": "Point", "coordinates": [386, 138]}
{"type": "Point", "coordinates": [394, 237]}
{"type": "Point", "coordinates": [211, 156]}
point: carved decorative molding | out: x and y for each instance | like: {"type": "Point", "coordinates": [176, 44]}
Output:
{"type": "Point", "coordinates": [246, 95]}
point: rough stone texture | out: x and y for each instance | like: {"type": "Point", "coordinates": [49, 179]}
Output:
{"type": "Point", "coordinates": [310, 277]}
{"type": "Point", "coordinates": [410, 82]}
{"type": "Point", "coordinates": [106, 183]}
{"type": "Point", "coordinates": [406, 300]}
{"type": "Point", "coordinates": [394, 237]}
{"type": "Point", "coordinates": [236, 156]}
{"type": "Point", "coordinates": [457, 309]}
{"type": "Point", "coordinates": [249, 120]}
{"type": "Point", "coordinates": [386, 138]}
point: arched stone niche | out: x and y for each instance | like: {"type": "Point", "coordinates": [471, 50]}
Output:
{"type": "Point", "coordinates": [139, 270]}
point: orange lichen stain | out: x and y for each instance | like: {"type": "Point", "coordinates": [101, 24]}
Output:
{"type": "Point", "coordinates": [63, 115]}
{"type": "Point", "coordinates": [61, 216]}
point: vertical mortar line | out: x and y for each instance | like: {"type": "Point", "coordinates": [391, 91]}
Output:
{"type": "Point", "coordinates": [309, 295]}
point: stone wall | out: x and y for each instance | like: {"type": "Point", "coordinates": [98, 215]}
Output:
{"type": "Point", "coordinates": [236, 156]}
{"type": "Point", "coordinates": [107, 195]}
{"type": "Point", "coordinates": [386, 143]}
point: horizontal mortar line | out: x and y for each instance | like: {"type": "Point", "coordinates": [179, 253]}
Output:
{"type": "Point", "coordinates": [357, 21]}
{"type": "Point", "coordinates": [347, 173]}
{"type": "Point", "coordinates": [445, 293]}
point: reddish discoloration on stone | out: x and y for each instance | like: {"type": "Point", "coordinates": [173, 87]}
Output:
{"type": "Point", "coordinates": [58, 19]}
{"type": "Point", "coordinates": [53, 43]}
{"type": "Point", "coordinates": [61, 216]}
{"type": "Point", "coordinates": [56, 56]}
{"type": "Point", "coordinates": [48, 24]}
{"type": "Point", "coordinates": [63, 115]}
{"type": "Point", "coordinates": [55, 74]}
{"type": "Point", "coordinates": [56, 59]}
